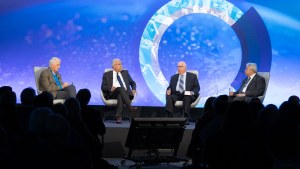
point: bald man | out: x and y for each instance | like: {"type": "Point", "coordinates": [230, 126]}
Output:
{"type": "Point", "coordinates": [183, 86]}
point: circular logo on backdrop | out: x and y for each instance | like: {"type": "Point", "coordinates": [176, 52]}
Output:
{"type": "Point", "coordinates": [226, 12]}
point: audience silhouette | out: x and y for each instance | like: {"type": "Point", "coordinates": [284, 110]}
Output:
{"type": "Point", "coordinates": [37, 134]}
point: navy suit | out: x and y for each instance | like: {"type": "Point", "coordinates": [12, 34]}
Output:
{"type": "Point", "coordinates": [123, 96]}
{"type": "Point", "coordinates": [255, 88]}
{"type": "Point", "coordinates": [191, 84]}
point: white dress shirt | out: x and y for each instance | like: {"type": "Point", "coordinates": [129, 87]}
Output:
{"type": "Point", "coordinates": [115, 80]}
{"type": "Point", "coordinates": [245, 87]}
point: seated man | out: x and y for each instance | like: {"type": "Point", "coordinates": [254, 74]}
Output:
{"type": "Point", "coordinates": [118, 84]}
{"type": "Point", "coordinates": [183, 86]}
{"type": "Point", "coordinates": [252, 86]}
{"type": "Point", "coordinates": [50, 81]}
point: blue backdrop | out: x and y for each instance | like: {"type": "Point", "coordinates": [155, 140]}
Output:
{"type": "Point", "coordinates": [215, 37]}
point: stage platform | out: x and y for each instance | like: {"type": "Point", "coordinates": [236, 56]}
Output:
{"type": "Point", "coordinates": [129, 164]}
{"type": "Point", "coordinates": [144, 111]}
{"type": "Point", "coordinates": [116, 134]}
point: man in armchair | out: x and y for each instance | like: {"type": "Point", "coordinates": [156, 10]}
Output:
{"type": "Point", "coordinates": [183, 86]}
{"type": "Point", "coordinates": [118, 84]}
{"type": "Point", "coordinates": [50, 80]}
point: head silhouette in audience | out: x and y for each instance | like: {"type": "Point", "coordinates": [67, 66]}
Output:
{"type": "Point", "coordinates": [220, 104]}
{"type": "Point", "coordinates": [290, 110]}
{"type": "Point", "coordinates": [73, 110]}
{"type": "Point", "coordinates": [37, 120]}
{"type": "Point", "coordinates": [44, 99]}
{"type": "Point", "coordinates": [4, 89]}
{"type": "Point", "coordinates": [8, 97]}
{"type": "Point", "coordinates": [27, 96]}
{"type": "Point", "coordinates": [83, 96]}
{"type": "Point", "coordinates": [208, 106]}
{"type": "Point", "coordinates": [294, 99]}
{"type": "Point", "coordinates": [267, 116]}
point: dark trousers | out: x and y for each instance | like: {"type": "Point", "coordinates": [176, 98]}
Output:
{"type": "Point", "coordinates": [241, 99]}
{"type": "Point", "coordinates": [66, 92]}
{"type": "Point", "coordinates": [123, 98]}
{"type": "Point", "coordinates": [187, 101]}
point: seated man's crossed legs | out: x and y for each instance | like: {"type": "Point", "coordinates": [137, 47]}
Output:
{"type": "Point", "coordinates": [123, 99]}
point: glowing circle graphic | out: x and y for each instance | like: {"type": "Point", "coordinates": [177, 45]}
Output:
{"type": "Point", "coordinates": [159, 23]}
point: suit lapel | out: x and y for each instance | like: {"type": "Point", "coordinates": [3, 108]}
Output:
{"type": "Point", "coordinates": [176, 80]}
{"type": "Point", "coordinates": [51, 75]}
{"type": "Point", "coordinates": [124, 75]}
{"type": "Point", "coordinates": [110, 75]}
{"type": "Point", "coordinates": [176, 77]}
{"type": "Point", "coordinates": [187, 80]}
{"type": "Point", "coordinates": [250, 84]}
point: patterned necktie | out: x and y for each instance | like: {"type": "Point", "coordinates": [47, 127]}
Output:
{"type": "Point", "coordinates": [181, 84]}
{"type": "Point", "coordinates": [245, 85]}
{"type": "Point", "coordinates": [120, 81]}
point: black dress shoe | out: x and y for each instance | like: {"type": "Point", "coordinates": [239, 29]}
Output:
{"type": "Point", "coordinates": [132, 109]}
{"type": "Point", "coordinates": [119, 120]}
{"type": "Point", "coordinates": [187, 123]}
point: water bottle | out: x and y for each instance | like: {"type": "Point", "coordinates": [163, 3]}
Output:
{"type": "Point", "coordinates": [216, 91]}
{"type": "Point", "coordinates": [231, 89]}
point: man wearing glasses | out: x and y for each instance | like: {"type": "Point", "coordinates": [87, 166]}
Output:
{"type": "Point", "coordinates": [183, 86]}
{"type": "Point", "coordinates": [252, 86]}
{"type": "Point", "coordinates": [118, 84]}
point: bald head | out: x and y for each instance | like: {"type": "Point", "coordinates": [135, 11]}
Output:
{"type": "Point", "coordinates": [181, 67]}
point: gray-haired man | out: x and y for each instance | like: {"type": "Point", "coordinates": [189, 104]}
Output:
{"type": "Point", "coordinates": [252, 86]}
{"type": "Point", "coordinates": [50, 80]}
{"type": "Point", "coordinates": [118, 84]}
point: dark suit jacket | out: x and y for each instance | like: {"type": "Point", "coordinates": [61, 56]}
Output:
{"type": "Point", "coordinates": [107, 82]}
{"type": "Point", "coordinates": [255, 88]}
{"type": "Point", "coordinates": [47, 82]}
{"type": "Point", "coordinates": [191, 83]}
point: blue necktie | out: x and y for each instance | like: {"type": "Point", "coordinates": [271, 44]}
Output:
{"type": "Point", "coordinates": [181, 84]}
{"type": "Point", "coordinates": [120, 81]}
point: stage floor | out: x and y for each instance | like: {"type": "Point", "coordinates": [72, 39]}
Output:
{"type": "Point", "coordinates": [126, 124]}
{"type": "Point", "coordinates": [116, 134]}
{"type": "Point", "coordinates": [128, 164]}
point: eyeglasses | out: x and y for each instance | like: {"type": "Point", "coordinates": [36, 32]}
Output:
{"type": "Point", "coordinates": [180, 66]}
